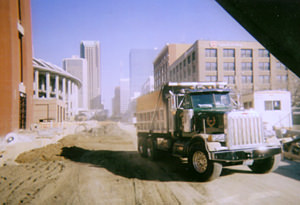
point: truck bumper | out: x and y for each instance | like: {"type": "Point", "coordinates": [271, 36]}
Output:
{"type": "Point", "coordinates": [245, 154]}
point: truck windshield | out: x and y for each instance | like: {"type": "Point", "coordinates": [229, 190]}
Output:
{"type": "Point", "coordinates": [210, 100]}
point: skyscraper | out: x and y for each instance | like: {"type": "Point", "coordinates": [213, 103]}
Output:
{"type": "Point", "coordinates": [141, 67]}
{"type": "Point", "coordinates": [90, 50]}
{"type": "Point", "coordinates": [124, 95]}
{"type": "Point", "coordinates": [78, 68]}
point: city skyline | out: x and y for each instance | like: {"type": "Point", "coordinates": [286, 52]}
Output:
{"type": "Point", "coordinates": [120, 26]}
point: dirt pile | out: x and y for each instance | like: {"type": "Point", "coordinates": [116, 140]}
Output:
{"type": "Point", "coordinates": [106, 132]}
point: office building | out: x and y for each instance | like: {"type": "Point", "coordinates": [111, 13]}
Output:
{"type": "Point", "coordinates": [164, 59]}
{"type": "Point", "coordinates": [116, 103]}
{"type": "Point", "coordinates": [148, 86]}
{"type": "Point", "coordinates": [78, 68]}
{"type": "Point", "coordinates": [55, 93]}
{"type": "Point", "coordinates": [140, 68]}
{"type": "Point", "coordinates": [90, 50]}
{"type": "Point", "coordinates": [245, 66]}
{"type": "Point", "coordinates": [124, 95]}
{"type": "Point", "coordinates": [16, 72]}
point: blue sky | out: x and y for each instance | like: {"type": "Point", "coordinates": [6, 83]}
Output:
{"type": "Point", "coordinates": [58, 27]}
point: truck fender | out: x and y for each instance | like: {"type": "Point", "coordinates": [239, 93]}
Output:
{"type": "Point", "coordinates": [199, 139]}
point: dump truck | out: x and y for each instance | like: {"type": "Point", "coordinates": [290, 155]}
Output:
{"type": "Point", "coordinates": [201, 123]}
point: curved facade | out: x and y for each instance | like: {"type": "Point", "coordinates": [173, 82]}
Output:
{"type": "Point", "coordinates": [55, 93]}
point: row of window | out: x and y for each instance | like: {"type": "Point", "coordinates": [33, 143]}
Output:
{"type": "Point", "coordinates": [248, 53]}
{"type": "Point", "coordinates": [247, 79]}
{"type": "Point", "coordinates": [246, 66]}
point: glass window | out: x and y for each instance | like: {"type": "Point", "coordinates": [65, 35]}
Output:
{"type": "Point", "coordinates": [263, 53]}
{"type": "Point", "coordinates": [272, 105]}
{"type": "Point", "coordinates": [211, 78]}
{"type": "Point", "coordinates": [189, 59]}
{"type": "Point", "coordinates": [264, 79]}
{"type": "Point", "coordinates": [264, 66]}
{"type": "Point", "coordinates": [247, 66]}
{"type": "Point", "coordinates": [193, 56]}
{"type": "Point", "coordinates": [211, 66]}
{"type": "Point", "coordinates": [246, 53]}
{"type": "Point", "coordinates": [184, 63]}
{"type": "Point", "coordinates": [247, 79]}
{"type": "Point", "coordinates": [209, 100]}
{"type": "Point", "coordinates": [210, 52]}
{"type": "Point", "coordinates": [282, 78]}
{"type": "Point", "coordinates": [229, 66]}
{"type": "Point", "coordinates": [280, 66]}
{"type": "Point", "coordinates": [230, 79]}
{"type": "Point", "coordinates": [228, 53]}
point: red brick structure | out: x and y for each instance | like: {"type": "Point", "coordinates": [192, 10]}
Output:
{"type": "Point", "coordinates": [16, 71]}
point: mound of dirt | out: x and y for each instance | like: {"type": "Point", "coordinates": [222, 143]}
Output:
{"type": "Point", "coordinates": [53, 152]}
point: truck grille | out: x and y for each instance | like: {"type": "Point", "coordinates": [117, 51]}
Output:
{"type": "Point", "coordinates": [245, 129]}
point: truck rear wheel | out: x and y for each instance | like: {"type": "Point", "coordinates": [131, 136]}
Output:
{"type": "Point", "coordinates": [205, 169]}
{"type": "Point", "coordinates": [142, 148]}
{"type": "Point", "coordinates": [266, 165]}
{"type": "Point", "coordinates": [151, 149]}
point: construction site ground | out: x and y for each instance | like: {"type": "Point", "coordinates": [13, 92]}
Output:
{"type": "Point", "coordinates": [101, 166]}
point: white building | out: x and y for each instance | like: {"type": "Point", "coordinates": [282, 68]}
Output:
{"type": "Point", "coordinates": [55, 93]}
{"type": "Point", "coordinates": [78, 68]}
{"type": "Point", "coordinates": [124, 95]}
{"type": "Point", "coordinates": [90, 50]}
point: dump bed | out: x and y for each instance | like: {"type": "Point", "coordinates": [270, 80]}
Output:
{"type": "Point", "coordinates": [151, 113]}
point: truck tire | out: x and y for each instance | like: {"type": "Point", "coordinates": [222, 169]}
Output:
{"type": "Point", "coordinates": [152, 152]}
{"type": "Point", "coordinates": [205, 169]}
{"type": "Point", "coordinates": [142, 148]}
{"type": "Point", "coordinates": [266, 165]}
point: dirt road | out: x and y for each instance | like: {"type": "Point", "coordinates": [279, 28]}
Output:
{"type": "Point", "coordinates": [101, 166]}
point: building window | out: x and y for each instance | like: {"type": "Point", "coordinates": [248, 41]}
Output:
{"type": "Point", "coordinates": [264, 66]}
{"type": "Point", "coordinates": [189, 59]}
{"type": "Point", "coordinates": [210, 52]}
{"type": "Point", "coordinates": [247, 79]}
{"type": "Point", "coordinates": [264, 79]}
{"type": "Point", "coordinates": [246, 53]}
{"type": "Point", "coordinates": [193, 56]}
{"type": "Point", "coordinates": [229, 53]}
{"type": "Point", "coordinates": [280, 66]}
{"type": "Point", "coordinates": [229, 66]}
{"type": "Point", "coordinates": [263, 53]}
{"type": "Point", "coordinates": [211, 66]}
{"type": "Point", "coordinates": [230, 79]}
{"type": "Point", "coordinates": [272, 105]}
{"type": "Point", "coordinates": [247, 66]}
{"type": "Point", "coordinates": [211, 78]}
{"type": "Point", "coordinates": [194, 69]}
{"type": "Point", "coordinates": [184, 63]}
{"type": "Point", "coordinates": [282, 78]}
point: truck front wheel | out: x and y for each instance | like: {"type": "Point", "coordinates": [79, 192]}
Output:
{"type": "Point", "coordinates": [266, 165]}
{"type": "Point", "coordinates": [205, 169]}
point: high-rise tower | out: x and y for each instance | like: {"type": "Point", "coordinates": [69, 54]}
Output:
{"type": "Point", "coordinates": [90, 50]}
{"type": "Point", "coordinates": [78, 68]}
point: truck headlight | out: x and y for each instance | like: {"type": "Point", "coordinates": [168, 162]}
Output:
{"type": "Point", "coordinates": [216, 138]}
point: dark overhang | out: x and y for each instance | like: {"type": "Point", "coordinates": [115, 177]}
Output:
{"type": "Point", "coordinates": [274, 23]}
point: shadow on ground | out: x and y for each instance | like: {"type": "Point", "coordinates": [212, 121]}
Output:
{"type": "Point", "coordinates": [130, 164]}
{"type": "Point", "coordinates": [289, 169]}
